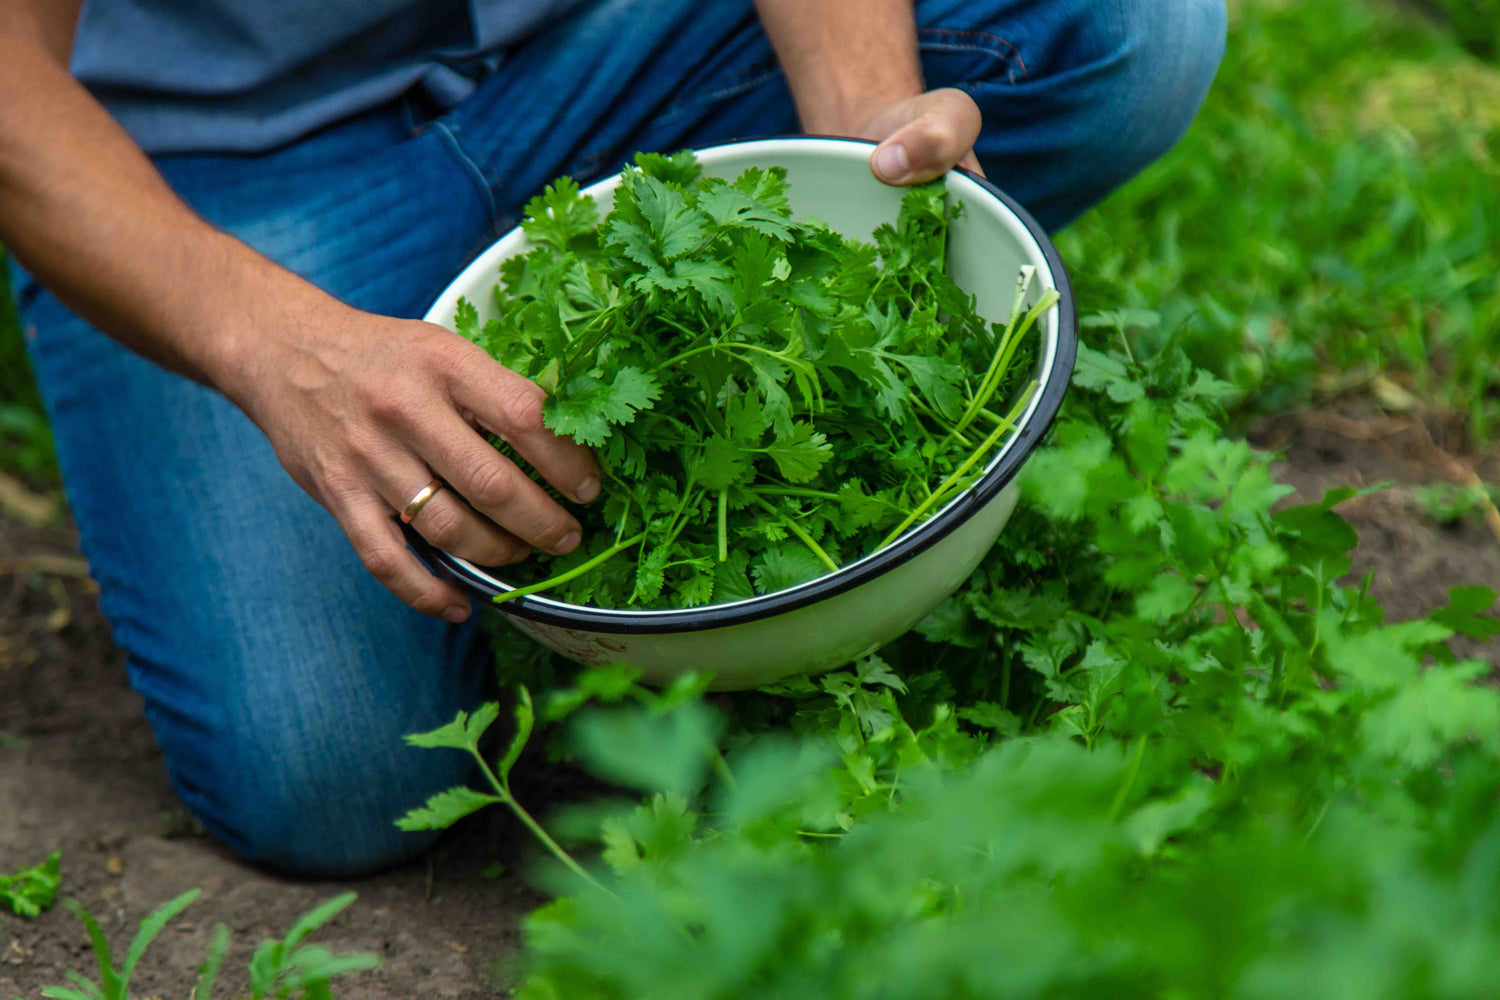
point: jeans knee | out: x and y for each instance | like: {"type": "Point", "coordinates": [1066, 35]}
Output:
{"type": "Point", "coordinates": [308, 812]}
{"type": "Point", "coordinates": [1167, 53]}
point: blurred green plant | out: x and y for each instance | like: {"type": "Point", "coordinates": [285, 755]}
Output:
{"type": "Point", "coordinates": [1476, 24]}
{"type": "Point", "coordinates": [1333, 213]}
{"type": "Point", "coordinates": [279, 969]}
{"type": "Point", "coordinates": [25, 439]}
{"type": "Point", "coordinates": [30, 891]}
{"type": "Point", "coordinates": [1450, 502]}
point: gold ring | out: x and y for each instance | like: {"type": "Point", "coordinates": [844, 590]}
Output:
{"type": "Point", "coordinates": [419, 501]}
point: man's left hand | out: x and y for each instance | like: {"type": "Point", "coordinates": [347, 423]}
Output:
{"type": "Point", "coordinates": [923, 137]}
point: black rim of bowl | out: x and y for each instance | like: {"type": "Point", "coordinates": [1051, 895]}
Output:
{"type": "Point", "coordinates": [660, 621]}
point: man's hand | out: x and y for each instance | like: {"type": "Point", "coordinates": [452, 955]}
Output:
{"type": "Point", "coordinates": [854, 70]}
{"type": "Point", "coordinates": [360, 407]}
{"type": "Point", "coordinates": [923, 137]}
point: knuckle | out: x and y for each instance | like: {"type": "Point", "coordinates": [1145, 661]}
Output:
{"type": "Point", "coordinates": [382, 561]}
{"type": "Point", "coordinates": [491, 486]}
{"type": "Point", "coordinates": [521, 408]}
{"type": "Point", "coordinates": [431, 601]}
{"type": "Point", "coordinates": [444, 527]}
{"type": "Point", "coordinates": [557, 529]}
{"type": "Point", "coordinates": [451, 353]}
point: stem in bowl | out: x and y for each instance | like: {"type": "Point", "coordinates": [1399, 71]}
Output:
{"type": "Point", "coordinates": [576, 571]}
{"type": "Point", "coordinates": [957, 474]}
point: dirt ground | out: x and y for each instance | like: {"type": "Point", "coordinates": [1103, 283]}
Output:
{"type": "Point", "coordinates": [79, 770]}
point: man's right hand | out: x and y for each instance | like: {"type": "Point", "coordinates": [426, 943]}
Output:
{"type": "Point", "coordinates": [363, 410]}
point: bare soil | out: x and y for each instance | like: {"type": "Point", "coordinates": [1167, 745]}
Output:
{"type": "Point", "coordinates": [79, 771]}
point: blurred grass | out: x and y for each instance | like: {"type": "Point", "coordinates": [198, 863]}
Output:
{"type": "Point", "coordinates": [25, 441]}
{"type": "Point", "coordinates": [1333, 213]}
{"type": "Point", "coordinates": [1475, 23]}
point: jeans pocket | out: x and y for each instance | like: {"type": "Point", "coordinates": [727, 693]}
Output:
{"type": "Point", "coordinates": [952, 56]}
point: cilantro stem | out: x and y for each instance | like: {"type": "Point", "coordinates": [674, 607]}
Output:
{"type": "Point", "coordinates": [678, 521]}
{"type": "Point", "coordinates": [1132, 770]}
{"type": "Point", "coordinates": [797, 491]}
{"type": "Point", "coordinates": [1000, 364]}
{"type": "Point", "coordinates": [575, 572]}
{"type": "Point", "coordinates": [964, 467]}
{"type": "Point", "coordinates": [724, 525]}
{"type": "Point", "coordinates": [921, 407]}
{"type": "Point", "coordinates": [502, 789]}
{"type": "Point", "coordinates": [733, 345]}
{"type": "Point", "coordinates": [802, 536]}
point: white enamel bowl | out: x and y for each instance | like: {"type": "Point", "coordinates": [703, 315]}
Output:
{"type": "Point", "coordinates": [852, 612]}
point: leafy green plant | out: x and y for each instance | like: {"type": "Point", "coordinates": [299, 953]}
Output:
{"type": "Point", "coordinates": [1476, 24]}
{"type": "Point", "coordinates": [30, 891]}
{"type": "Point", "coordinates": [279, 969]}
{"type": "Point", "coordinates": [25, 439]}
{"type": "Point", "coordinates": [711, 350]}
{"type": "Point", "coordinates": [1447, 502]}
{"type": "Point", "coordinates": [1153, 747]}
{"type": "Point", "coordinates": [1331, 214]}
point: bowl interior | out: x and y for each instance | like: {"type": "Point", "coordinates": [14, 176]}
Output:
{"type": "Point", "coordinates": [829, 180]}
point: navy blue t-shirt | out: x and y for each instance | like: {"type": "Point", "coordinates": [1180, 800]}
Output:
{"type": "Point", "coordinates": [249, 75]}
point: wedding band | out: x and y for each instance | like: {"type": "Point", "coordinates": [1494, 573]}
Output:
{"type": "Point", "coordinates": [419, 501]}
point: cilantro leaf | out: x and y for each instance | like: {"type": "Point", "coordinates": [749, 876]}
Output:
{"type": "Point", "coordinates": [732, 208]}
{"type": "Point", "coordinates": [446, 808]}
{"type": "Point", "coordinates": [801, 454]}
{"type": "Point", "coordinates": [560, 215]}
{"type": "Point", "coordinates": [586, 407]}
{"type": "Point", "coordinates": [785, 566]}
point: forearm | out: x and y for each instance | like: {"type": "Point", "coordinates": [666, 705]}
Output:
{"type": "Point", "coordinates": [844, 60]}
{"type": "Point", "coordinates": [84, 209]}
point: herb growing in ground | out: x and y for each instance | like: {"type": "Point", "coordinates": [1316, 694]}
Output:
{"type": "Point", "coordinates": [1153, 748]}
{"type": "Point", "coordinates": [278, 969]}
{"type": "Point", "coordinates": [767, 399]}
{"type": "Point", "coordinates": [30, 891]}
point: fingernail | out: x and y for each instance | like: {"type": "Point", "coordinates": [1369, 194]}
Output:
{"type": "Point", "coordinates": [456, 613]}
{"type": "Point", "coordinates": [569, 543]}
{"type": "Point", "coordinates": [521, 556]}
{"type": "Point", "coordinates": [588, 489]}
{"type": "Point", "coordinates": [891, 162]}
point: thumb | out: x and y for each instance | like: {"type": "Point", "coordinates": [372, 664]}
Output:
{"type": "Point", "coordinates": [938, 134]}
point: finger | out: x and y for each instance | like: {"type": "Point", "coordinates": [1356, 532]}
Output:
{"type": "Point", "coordinates": [444, 520]}
{"type": "Point", "coordinates": [510, 407]}
{"type": "Point", "coordinates": [453, 526]}
{"type": "Point", "coordinates": [494, 485]}
{"type": "Point", "coordinates": [941, 133]}
{"type": "Point", "coordinates": [382, 549]}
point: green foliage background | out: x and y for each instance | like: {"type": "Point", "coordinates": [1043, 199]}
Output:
{"type": "Point", "coordinates": [1334, 212]}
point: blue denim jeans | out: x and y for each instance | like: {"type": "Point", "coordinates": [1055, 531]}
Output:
{"type": "Point", "coordinates": [277, 675]}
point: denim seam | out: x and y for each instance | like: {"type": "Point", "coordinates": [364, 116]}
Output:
{"type": "Point", "coordinates": [478, 169]}
{"type": "Point", "coordinates": [979, 41]}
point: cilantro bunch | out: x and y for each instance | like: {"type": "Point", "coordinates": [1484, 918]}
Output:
{"type": "Point", "coordinates": [767, 398]}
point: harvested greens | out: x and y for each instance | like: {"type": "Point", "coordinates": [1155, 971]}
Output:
{"type": "Point", "coordinates": [768, 399]}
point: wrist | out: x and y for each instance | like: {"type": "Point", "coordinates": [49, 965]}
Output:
{"type": "Point", "coordinates": [836, 112]}
{"type": "Point", "coordinates": [231, 338]}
